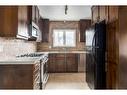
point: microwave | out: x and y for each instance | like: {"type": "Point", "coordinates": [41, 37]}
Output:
{"type": "Point", "coordinates": [35, 30]}
{"type": "Point", "coordinates": [35, 34]}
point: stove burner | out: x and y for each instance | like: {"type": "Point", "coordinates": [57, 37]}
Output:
{"type": "Point", "coordinates": [31, 55]}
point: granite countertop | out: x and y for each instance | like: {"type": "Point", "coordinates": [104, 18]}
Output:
{"type": "Point", "coordinates": [21, 60]}
{"type": "Point", "coordinates": [58, 51]}
{"type": "Point", "coordinates": [33, 60]}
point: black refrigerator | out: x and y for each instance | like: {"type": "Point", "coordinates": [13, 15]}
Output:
{"type": "Point", "coordinates": [95, 56]}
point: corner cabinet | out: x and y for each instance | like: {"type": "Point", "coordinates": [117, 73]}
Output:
{"type": "Point", "coordinates": [83, 25]}
{"type": "Point", "coordinates": [44, 28]}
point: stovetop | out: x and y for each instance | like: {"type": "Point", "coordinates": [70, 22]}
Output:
{"type": "Point", "coordinates": [30, 55]}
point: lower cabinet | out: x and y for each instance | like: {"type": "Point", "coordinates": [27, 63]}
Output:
{"type": "Point", "coordinates": [19, 76]}
{"type": "Point", "coordinates": [62, 63]}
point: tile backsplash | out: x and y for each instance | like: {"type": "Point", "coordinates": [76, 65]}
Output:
{"type": "Point", "coordinates": [10, 47]}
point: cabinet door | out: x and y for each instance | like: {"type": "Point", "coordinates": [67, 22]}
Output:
{"type": "Point", "coordinates": [71, 62]}
{"type": "Point", "coordinates": [111, 60]}
{"type": "Point", "coordinates": [8, 21]}
{"type": "Point", "coordinates": [82, 62]}
{"type": "Point", "coordinates": [52, 63]}
{"type": "Point", "coordinates": [95, 14]}
{"type": "Point", "coordinates": [37, 15]}
{"type": "Point", "coordinates": [83, 24]}
{"type": "Point", "coordinates": [16, 76]}
{"type": "Point", "coordinates": [23, 21]}
{"type": "Point", "coordinates": [103, 13]}
{"type": "Point", "coordinates": [33, 13]}
{"type": "Point", "coordinates": [60, 63]}
{"type": "Point", "coordinates": [113, 13]}
{"type": "Point", "coordinates": [44, 26]}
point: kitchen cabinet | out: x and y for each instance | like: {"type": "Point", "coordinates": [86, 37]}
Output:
{"type": "Point", "coordinates": [111, 50]}
{"type": "Point", "coordinates": [110, 14]}
{"type": "Point", "coordinates": [95, 14]}
{"type": "Point", "coordinates": [71, 62]}
{"type": "Point", "coordinates": [122, 57]}
{"type": "Point", "coordinates": [19, 76]}
{"type": "Point", "coordinates": [44, 28]}
{"type": "Point", "coordinates": [63, 63]}
{"type": "Point", "coordinates": [8, 21]}
{"type": "Point", "coordinates": [116, 46]}
{"type": "Point", "coordinates": [113, 13]}
{"type": "Point", "coordinates": [103, 14]}
{"type": "Point", "coordinates": [81, 62]}
{"type": "Point", "coordinates": [57, 63]}
{"type": "Point", "coordinates": [100, 13]}
{"type": "Point", "coordinates": [51, 63]}
{"type": "Point", "coordinates": [83, 25]}
{"type": "Point", "coordinates": [23, 22]}
{"type": "Point", "coordinates": [14, 21]}
{"type": "Point", "coordinates": [35, 14]}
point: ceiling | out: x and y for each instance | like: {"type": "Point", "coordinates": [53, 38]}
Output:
{"type": "Point", "coordinates": [57, 13]}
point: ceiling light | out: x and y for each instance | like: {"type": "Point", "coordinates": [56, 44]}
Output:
{"type": "Point", "coordinates": [66, 8]}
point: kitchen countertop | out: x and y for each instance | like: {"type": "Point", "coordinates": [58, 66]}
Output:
{"type": "Point", "coordinates": [22, 60]}
{"type": "Point", "coordinates": [58, 51]}
{"type": "Point", "coordinates": [19, 61]}
{"type": "Point", "coordinates": [33, 60]}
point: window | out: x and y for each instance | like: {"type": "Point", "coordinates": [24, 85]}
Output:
{"type": "Point", "coordinates": [64, 38]}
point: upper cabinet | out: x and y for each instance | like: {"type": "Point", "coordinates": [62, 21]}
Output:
{"type": "Point", "coordinates": [44, 28]}
{"type": "Point", "coordinates": [95, 14]}
{"type": "Point", "coordinates": [16, 21]}
{"type": "Point", "coordinates": [103, 13]}
{"type": "Point", "coordinates": [113, 13]}
{"type": "Point", "coordinates": [23, 22]}
{"type": "Point", "coordinates": [35, 14]}
{"type": "Point", "coordinates": [83, 25]}
{"type": "Point", "coordinates": [8, 21]}
{"type": "Point", "coordinates": [100, 13]}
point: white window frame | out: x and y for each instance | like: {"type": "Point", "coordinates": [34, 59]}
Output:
{"type": "Point", "coordinates": [65, 37]}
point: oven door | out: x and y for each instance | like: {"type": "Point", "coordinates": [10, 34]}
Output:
{"type": "Point", "coordinates": [44, 71]}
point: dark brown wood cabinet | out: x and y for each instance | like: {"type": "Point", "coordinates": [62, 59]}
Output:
{"type": "Point", "coordinates": [110, 14]}
{"type": "Point", "coordinates": [83, 25]}
{"type": "Point", "coordinates": [71, 62]}
{"type": "Point", "coordinates": [19, 76]}
{"type": "Point", "coordinates": [44, 27]}
{"type": "Point", "coordinates": [8, 21]}
{"type": "Point", "coordinates": [113, 13]}
{"type": "Point", "coordinates": [122, 58]}
{"type": "Point", "coordinates": [63, 63]}
{"type": "Point", "coordinates": [112, 49]}
{"type": "Point", "coordinates": [116, 57]}
{"type": "Point", "coordinates": [23, 22]}
{"type": "Point", "coordinates": [14, 21]}
{"type": "Point", "coordinates": [95, 14]}
{"type": "Point", "coordinates": [35, 14]}
{"type": "Point", "coordinates": [103, 13]}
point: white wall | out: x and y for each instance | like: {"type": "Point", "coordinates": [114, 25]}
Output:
{"type": "Point", "coordinates": [74, 13]}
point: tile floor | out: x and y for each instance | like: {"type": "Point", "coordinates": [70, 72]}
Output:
{"type": "Point", "coordinates": [66, 81]}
